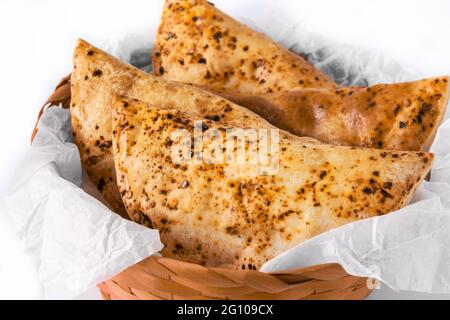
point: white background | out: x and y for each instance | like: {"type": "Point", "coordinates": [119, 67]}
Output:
{"type": "Point", "coordinates": [37, 38]}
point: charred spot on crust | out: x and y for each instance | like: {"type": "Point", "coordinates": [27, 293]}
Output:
{"type": "Point", "coordinates": [213, 118]}
{"type": "Point", "coordinates": [368, 190]}
{"type": "Point", "coordinates": [217, 36]}
{"type": "Point", "coordinates": [97, 73]}
{"type": "Point", "coordinates": [161, 70]}
{"type": "Point", "coordinates": [127, 194]}
{"type": "Point", "coordinates": [92, 160]}
{"type": "Point", "coordinates": [146, 221]}
{"type": "Point", "coordinates": [103, 144]}
{"type": "Point", "coordinates": [168, 143]}
{"type": "Point", "coordinates": [387, 185]}
{"type": "Point", "coordinates": [231, 230]}
{"type": "Point", "coordinates": [170, 35]}
{"type": "Point", "coordinates": [204, 126]}
{"type": "Point", "coordinates": [424, 108]}
{"type": "Point", "coordinates": [178, 249]}
{"type": "Point", "coordinates": [418, 119]}
{"type": "Point", "coordinates": [228, 108]}
{"type": "Point", "coordinates": [101, 184]}
{"type": "Point", "coordinates": [386, 194]}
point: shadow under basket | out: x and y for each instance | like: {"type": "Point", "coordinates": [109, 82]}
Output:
{"type": "Point", "coordinates": [168, 279]}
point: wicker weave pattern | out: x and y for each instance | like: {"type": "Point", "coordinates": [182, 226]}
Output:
{"type": "Point", "coordinates": [163, 278]}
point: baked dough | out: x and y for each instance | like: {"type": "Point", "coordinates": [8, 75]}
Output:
{"type": "Point", "coordinates": [197, 43]}
{"type": "Point", "coordinates": [228, 215]}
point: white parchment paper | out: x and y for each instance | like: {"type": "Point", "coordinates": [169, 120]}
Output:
{"type": "Point", "coordinates": [78, 241]}
{"type": "Point", "coordinates": [81, 242]}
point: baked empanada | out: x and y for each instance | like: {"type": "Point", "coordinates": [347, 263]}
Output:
{"type": "Point", "coordinates": [227, 214]}
{"type": "Point", "coordinates": [196, 43]}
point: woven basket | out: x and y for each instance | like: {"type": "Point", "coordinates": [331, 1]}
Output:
{"type": "Point", "coordinates": [168, 279]}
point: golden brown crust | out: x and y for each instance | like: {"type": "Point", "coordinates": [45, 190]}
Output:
{"type": "Point", "coordinates": [225, 215]}
{"type": "Point", "coordinates": [403, 116]}
{"type": "Point", "coordinates": [197, 43]}
{"type": "Point", "coordinates": [283, 88]}
{"type": "Point", "coordinates": [97, 77]}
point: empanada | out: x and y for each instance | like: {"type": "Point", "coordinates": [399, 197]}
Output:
{"type": "Point", "coordinates": [197, 43]}
{"type": "Point", "coordinates": [228, 215]}
{"type": "Point", "coordinates": [254, 71]}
